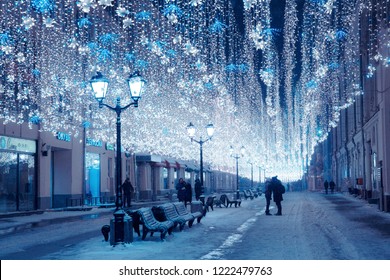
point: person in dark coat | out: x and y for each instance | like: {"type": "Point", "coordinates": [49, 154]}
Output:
{"type": "Point", "coordinates": [181, 190]}
{"type": "Point", "coordinates": [188, 194]}
{"type": "Point", "coordinates": [268, 196]}
{"type": "Point", "coordinates": [128, 190]}
{"type": "Point", "coordinates": [198, 189]}
{"type": "Point", "coordinates": [326, 186]}
{"type": "Point", "coordinates": [332, 185]}
{"type": "Point", "coordinates": [278, 190]}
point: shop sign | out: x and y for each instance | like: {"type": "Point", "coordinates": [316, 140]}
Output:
{"type": "Point", "coordinates": [17, 144]}
{"type": "Point", "coordinates": [63, 136]}
{"type": "Point", "coordinates": [109, 147]}
{"type": "Point", "coordinates": [93, 142]}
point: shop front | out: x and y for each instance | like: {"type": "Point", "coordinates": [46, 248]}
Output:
{"type": "Point", "coordinates": [17, 174]}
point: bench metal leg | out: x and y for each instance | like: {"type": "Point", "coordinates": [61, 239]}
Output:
{"type": "Point", "coordinates": [144, 233]}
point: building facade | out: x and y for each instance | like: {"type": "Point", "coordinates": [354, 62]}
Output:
{"type": "Point", "coordinates": [356, 155]}
{"type": "Point", "coordinates": [41, 170]}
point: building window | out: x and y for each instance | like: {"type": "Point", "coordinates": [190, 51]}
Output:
{"type": "Point", "coordinates": [165, 177]}
{"type": "Point", "coordinates": [92, 178]}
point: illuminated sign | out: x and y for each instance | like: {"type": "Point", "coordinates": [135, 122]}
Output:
{"type": "Point", "coordinates": [63, 136]}
{"type": "Point", "coordinates": [109, 147]}
{"type": "Point", "coordinates": [93, 142]}
{"type": "Point", "coordinates": [17, 144]}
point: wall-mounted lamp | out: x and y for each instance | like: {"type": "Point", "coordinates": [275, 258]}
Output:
{"type": "Point", "coordinates": [45, 149]}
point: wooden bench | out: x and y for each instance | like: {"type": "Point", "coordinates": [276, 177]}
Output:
{"type": "Point", "coordinates": [225, 201]}
{"type": "Point", "coordinates": [150, 224]}
{"type": "Point", "coordinates": [135, 216]}
{"type": "Point", "coordinates": [197, 207]}
{"type": "Point", "coordinates": [248, 194]}
{"type": "Point", "coordinates": [168, 212]}
{"type": "Point", "coordinates": [210, 203]}
{"type": "Point", "coordinates": [182, 211]}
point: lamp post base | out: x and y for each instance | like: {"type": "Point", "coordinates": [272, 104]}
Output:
{"type": "Point", "coordinates": [121, 228]}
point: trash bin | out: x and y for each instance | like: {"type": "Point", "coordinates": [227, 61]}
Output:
{"type": "Point", "coordinates": [121, 228]}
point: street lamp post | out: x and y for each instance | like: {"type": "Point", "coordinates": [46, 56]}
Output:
{"type": "Point", "coordinates": [236, 157]}
{"type": "Point", "coordinates": [191, 133]}
{"type": "Point", "coordinates": [251, 163]}
{"type": "Point", "coordinates": [99, 86]}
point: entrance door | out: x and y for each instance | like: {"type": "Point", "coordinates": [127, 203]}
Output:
{"type": "Point", "coordinates": [93, 178]}
{"type": "Point", "coordinates": [17, 183]}
{"type": "Point", "coordinates": [26, 188]}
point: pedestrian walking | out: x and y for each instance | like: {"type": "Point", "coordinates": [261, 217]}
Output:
{"type": "Point", "coordinates": [188, 194]}
{"type": "Point", "coordinates": [268, 196]}
{"type": "Point", "coordinates": [332, 185]}
{"type": "Point", "coordinates": [277, 191]}
{"type": "Point", "coordinates": [181, 190]}
{"type": "Point", "coordinates": [326, 186]}
{"type": "Point", "coordinates": [198, 189]}
{"type": "Point", "coordinates": [128, 190]}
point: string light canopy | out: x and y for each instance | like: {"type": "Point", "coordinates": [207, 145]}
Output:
{"type": "Point", "coordinates": [266, 84]}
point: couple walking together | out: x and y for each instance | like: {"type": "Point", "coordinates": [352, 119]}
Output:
{"type": "Point", "coordinates": [184, 191]}
{"type": "Point", "coordinates": [274, 188]}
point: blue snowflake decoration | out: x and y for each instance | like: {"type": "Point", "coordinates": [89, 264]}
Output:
{"type": "Point", "coordinates": [108, 38]}
{"type": "Point", "coordinates": [172, 9]}
{"type": "Point", "coordinates": [243, 68]}
{"type": "Point", "coordinates": [86, 124]}
{"type": "Point", "coordinates": [171, 53]}
{"type": "Point", "coordinates": [341, 34]}
{"type": "Point", "coordinates": [43, 6]}
{"type": "Point", "coordinates": [5, 39]}
{"type": "Point", "coordinates": [130, 57]}
{"type": "Point", "coordinates": [311, 84]}
{"type": "Point", "coordinates": [84, 22]}
{"type": "Point", "coordinates": [231, 68]}
{"type": "Point", "coordinates": [143, 16]}
{"type": "Point", "coordinates": [161, 44]}
{"type": "Point", "coordinates": [271, 32]}
{"type": "Point", "coordinates": [104, 55]}
{"type": "Point", "coordinates": [35, 119]}
{"type": "Point", "coordinates": [36, 73]}
{"type": "Point", "coordinates": [218, 26]}
{"type": "Point", "coordinates": [208, 85]}
{"type": "Point", "coordinates": [93, 47]}
{"type": "Point", "coordinates": [333, 65]}
{"type": "Point", "coordinates": [142, 64]}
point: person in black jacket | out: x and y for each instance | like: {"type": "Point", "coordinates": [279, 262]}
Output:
{"type": "Point", "coordinates": [188, 194]}
{"type": "Point", "coordinates": [128, 190]}
{"type": "Point", "coordinates": [332, 185]}
{"type": "Point", "coordinates": [181, 190]}
{"type": "Point", "coordinates": [198, 189]}
{"type": "Point", "coordinates": [278, 190]}
{"type": "Point", "coordinates": [326, 186]}
{"type": "Point", "coordinates": [268, 196]}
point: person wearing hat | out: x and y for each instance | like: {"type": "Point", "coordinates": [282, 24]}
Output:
{"type": "Point", "coordinates": [278, 190]}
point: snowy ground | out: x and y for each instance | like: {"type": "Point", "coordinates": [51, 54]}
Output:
{"type": "Point", "coordinates": [314, 226]}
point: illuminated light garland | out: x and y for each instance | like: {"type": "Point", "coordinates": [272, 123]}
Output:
{"type": "Point", "coordinates": [199, 66]}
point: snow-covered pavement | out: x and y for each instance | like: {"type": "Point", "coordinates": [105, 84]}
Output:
{"type": "Point", "coordinates": [314, 226]}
